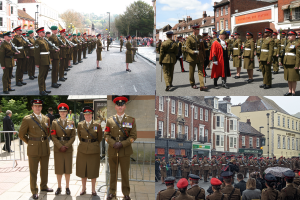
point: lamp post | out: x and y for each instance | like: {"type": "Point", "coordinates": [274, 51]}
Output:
{"type": "Point", "coordinates": [268, 115]}
{"type": "Point", "coordinates": [108, 22]}
{"type": "Point", "coordinates": [36, 17]}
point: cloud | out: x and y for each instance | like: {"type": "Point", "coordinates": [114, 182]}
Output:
{"type": "Point", "coordinates": [179, 4]}
{"type": "Point", "coordinates": [173, 19]}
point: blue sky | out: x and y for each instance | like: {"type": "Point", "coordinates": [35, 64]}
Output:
{"type": "Point", "coordinates": [170, 11]}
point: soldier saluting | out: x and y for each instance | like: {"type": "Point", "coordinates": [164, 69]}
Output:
{"type": "Point", "coordinates": [34, 131]}
{"type": "Point", "coordinates": [120, 133]}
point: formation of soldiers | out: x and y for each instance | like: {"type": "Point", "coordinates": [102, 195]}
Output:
{"type": "Point", "coordinates": [29, 51]}
{"type": "Point", "coordinates": [269, 49]}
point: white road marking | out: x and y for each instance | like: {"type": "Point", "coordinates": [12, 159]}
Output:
{"type": "Point", "coordinates": [134, 88]}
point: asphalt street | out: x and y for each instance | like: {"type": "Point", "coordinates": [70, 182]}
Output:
{"type": "Point", "coordinates": [205, 185]}
{"type": "Point", "coordinates": [238, 87]}
{"type": "Point", "coordinates": [85, 79]}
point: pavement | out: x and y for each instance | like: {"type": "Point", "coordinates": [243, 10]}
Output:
{"type": "Point", "coordinates": [148, 53]}
{"type": "Point", "coordinates": [15, 179]}
{"type": "Point", "coordinates": [84, 78]}
{"type": "Point", "coordinates": [239, 86]}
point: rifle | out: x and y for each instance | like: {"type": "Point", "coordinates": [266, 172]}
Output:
{"type": "Point", "coordinates": [27, 41]}
{"type": "Point", "coordinates": [14, 47]}
{"type": "Point", "coordinates": [64, 44]}
{"type": "Point", "coordinates": [51, 44]}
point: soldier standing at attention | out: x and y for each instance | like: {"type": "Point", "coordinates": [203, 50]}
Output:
{"type": "Point", "coordinates": [167, 58]}
{"type": "Point", "coordinates": [42, 60]}
{"type": "Point", "coordinates": [283, 42]}
{"type": "Point", "coordinates": [258, 48]}
{"type": "Point", "coordinates": [179, 55]}
{"type": "Point", "coordinates": [216, 187]}
{"type": "Point", "coordinates": [158, 46]}
{"type": "Point", "coordinates": [207, 50]}
{"type": "Point", "coordinates": [163, 170]}
{"type": "Point", "coordinates": [237, 52]}
{"type": "Point", "coordinates": [80, 46]}
{"type": "Point", "coordinates": [11, 69]}
{"type": "Point", "coordinates": [89, 41]}
{"type": "Point", "coordinates": [108, 42]}
{"type": "Point", "coordinates": [276, 51]}
{"type": "Point", "coordinates": [31, 66]}
{"type": "Point", "coordinates": [75, 49]}
{"type": "Point", "coordinates": [194, 165]}
{"type": "Point", "coordinates": [186, 167]}
{"type": "Point", "coordinates": [71, 51]}
{"type": "Point", "coordinates": [84, 46]}
{"type": "Point", "coordinates": [99, 50]}
{"type": "Point", "coordinates": [54, 56]}
{"type": "Point", "coordinates": [182, 187]}
{"type": "Point", "coordinates": [291, 63]}
{"type": "Point", "coordinates": [121, 43]}
{"type": "Point", "coordinates": [174, 166]}
{"type": "Point", "coordinates": [248, 56]}
{"type": "Point", "coordinates": [233, 193]}
{"type": "Point", "coordinates": [20, 44]}
{"type": "Point", "coordinates": [214, 166]}
{"type": "Point", "coordinates": [6, 60]}
{"type": "Point", "coordinates": [34, 131]}
{"type": "Point", "coordinates": [134, 44]}
{"type": "Point", "coordinates": [205, 166]}
{"type": "Point", "coordinates": [230, 47]}
{"type": "Point", "coordinates": [63, 66]}
{"type": "Point", "coordinates": [120, 133]}
{"type": "Point", "coordinates": [183, 48]}
{"type": "Point", "coordinates": [270, 193]}
{"type": "Point", "coordinates": [168, 193]}
{"type": "Point", "coordinates": [128, 53]}
{"type": "Point", "coordinates": [266, 58]}
{"type": "Point", "coordinates": [195, 190]}
{"type": "Point", "coordinates": [195, 57]}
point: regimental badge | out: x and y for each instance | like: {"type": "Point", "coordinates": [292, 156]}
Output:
{"type": "Point", "coordinates": [120, 100]}
{"type": "Point", "coordinates": [37, 46]}
{"type": "Point", "coordinates": [62, 107]}
{"type": "Point", "coordinates": [95, 128]}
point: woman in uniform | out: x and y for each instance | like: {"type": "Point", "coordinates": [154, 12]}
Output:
{"type": "Point", "coordinates": [270, 193]}
{"type": "Point", "coordinates": [63, 136]}
{"type": "Point", "coordinates": [248, 56]}
{"type": "Point", "coordinates": [163, 170]}
{"type": "Point", "coordinates": [88, 154]}
{"type": "Point", "coordinates": [182, 187]}
{"type": "Point", "coordinates": [291, 62]}
{"type": "Point", "coordinates": [129, 52]}
{"type": "Point", "coordinates": [99, 50]}
{"type": "Point", "coordinates": [216, 187]}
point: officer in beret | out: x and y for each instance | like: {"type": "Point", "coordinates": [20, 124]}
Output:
{"type": "Point", "coordinates": [174, 166]}
{"type": "Point", "coordinates": [216, 187]}
{"type": "Point", "coordinates": [277, 44]}
{"type": "Point", "coordinates": [121, 43]}
{"type": "Point", "coordinates": [63, 62]}
{"type": "Point", "coordinates": [234, 193]}
{"type": "Point", "coordinates": [291, 64]}
{"type": "Point", "coordinates": [30, 56]}
{"type": "Point", "coordinates": [248, 55]}
{"type": "Point", "coordinates": [63, 137]}
{"type": "Point", "coordinates": [290, 191]}
{"type": "Point", "coordinates": [34, 131]}
{"type": "Point", "coordinates": [88, 154]}
{"type": "Point", "coordinates": [120, 133]}
{"type": "Point", "coordinates": [237, 53]}
{"type": "Point", "coordinates": [84, 46]}
{"type": "Point", "coordinates": [258, 48]}
{"type": "Point", "coordinates": [270, 193]}
{"type": "Point", "coordinates": [205, 166]}
{"type": "Point", "coordinates": [182, 187]}
{"type": "Point", "coordinates": [75, 49]}
{"type": "Point", "coordinates": [168, 193]}
{"type": "Point", "coordinates": [54, 57]}
{"type": "Point", "coordinates": [99, 50]}
{"type": "Point", "coordinates": [283, 43]}
{"type": "Point", "coordinates": [167, 59]}
{"type": "Point", "coordinates": [89, 41]}
{"type": "Point", "coordinates": [48, 34]}
{"type": "Point", "coordinates": [195, 190]}
{"type": "Point", "coordinates": [265, 58]}
{"type": "Point", "coordinates": [7, 59]}
{"type": "Point", "coordinates": [80, 47]}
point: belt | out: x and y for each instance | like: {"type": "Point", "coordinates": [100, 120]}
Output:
{"type": "Point", "coordinates": [265, 50]}
{"type": "Point", "coordinates": [196, 164]}
{"type": "Point", "coordinates": [20, 47]}
{"type": "Point", "coordinates": [235, 48]}
{"type": "Point", "coordinates": [275, 47]}
{"type": "Point", "coordinates": [88, 140]}
{"type": "Point", "coordinates": [206, 165]}
{"type": "Point", "coordinates": [248, 49]}
{"type": "Point", "coordinates": [8, 56]}
{"type": "Point", "coordinates": [223, 164]}
{"type": "Point", "coordinates": [42, 53]}
{"type": "Point", "coordinates": [290, 54]}
{"type": "Point", "coordinates": [119, 138]}
{"type": "Point", "coordinates": [31, 47]}
{"type": "Point", "coordinates": [206, 49]}
{"type": "Point", "coordinates": [282, 45]}
{"type": "Point", "coordinates": [38, 138]}
{"type": "Point", "coordinates": [174, 164]}
{"type": "Point", "coordinates": [63, 138]}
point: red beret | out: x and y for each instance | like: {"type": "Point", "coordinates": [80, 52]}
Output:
{"type": "Point", "coordinates": [215, 182]}
{"type": "Point", "coordinates": [182, 183]}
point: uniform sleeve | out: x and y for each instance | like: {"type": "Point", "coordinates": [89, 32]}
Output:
{"type": "Point", "coordinates": [203, 47]}
{"type": "Point", "coordinates": [107, 134]}
{"type": "Point", "coordinates": [23, 131]}
{"type": "Point", "coordinates": [54, 137]}
{"type": "Point", "coordinates": [161, 53]}
{"type": "Point", "coordinates": [2, 56]}
{"type": "Point", "coordinates": [37, 50]}
{"type": "Point", "coordinates": [297, 55]}
{"type": "Point", "coordinates": [189, 47]}
{"type": "Point", "coordinates": [72, 138]}
{"type": "Point", "coordinates": [252, 50]}
{"type": "Point", "coordinates": [271, 49]}
{"type": "Point", "coordinates": [239, 47]}
{"type": "Point", "coordinates": [52, 50]}
{"type": "Point", "coordinates": [132, 136]}
{"type": "Point", "coordinates": [99, 132]}
{"type": "Point", "coordinates": [79, 132]}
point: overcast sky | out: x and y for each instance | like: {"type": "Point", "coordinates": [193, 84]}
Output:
{"type": "Point", "coordinates": [92, 6]}
{"type": "Point", "coordinates": [289, 104]}
{"type": "Point", "coordinates": [169, 12]}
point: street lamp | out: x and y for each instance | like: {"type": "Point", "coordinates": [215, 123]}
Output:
{"type": "Point", "coordinates": [36, 16]}
{"type": "Point", "coordinates": [260, 128]}
{"type": "Point", "coordinates": [268, 115]}
{"type": "Point", "coordinates": [108, 22]}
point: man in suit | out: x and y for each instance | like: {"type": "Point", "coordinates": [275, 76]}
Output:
{"type": "Point", "coordinates": [8, 126]}
{"type": "Point", "coordinates": [34, 131]}
{"type": "Point", "coordinates": [241, 183]}
{"type": "Point", "coordinates": [120, 133]}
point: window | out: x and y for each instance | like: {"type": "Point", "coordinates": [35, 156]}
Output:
{"type": "Point", "coordinates": [179, 129]}
{"type": "Point", "coordinates": [218, 140]}
{"type": "Point", "coordinates": [243, 140]}
{"type": "Point", "coordinates": [250, 141]}
{"type": "Point", "coordinates": [186, 110]}
{"type": "Point", "coordinates": [293, 144]}
{"type": "Point", "coordinates": [288, 143]}
{"type": "Point", "coordinates": [288, 123]}
{"type": "Point", "coordinates": [203, 21]}
{"type": "Point", "coordinates": [283, 142]}
{"type": "Point", "coordinates": [186, 132]}
{"type": "Point", "coordinates": [278, 121]}
{"type": "Point", "coordinates": [196, 112]}
{"type": "Point", "coordinates": [201, 113]}
{"type": "Point", "coordinates": [234, 142]}
{"type": "Point", "coordinates": [1, 21]}
{"type": "Point", "coordinates": [297, 144]}
{"type": "Point", "coordinates": [221, 11]}
{"type": "Point", "coordinates": [226, 25]}
{"type": "Point", "coordinates": [172, 130]}
{"type": "Point", "coordinates": [161, 103]}
{"type": "Point", "coordinates": [287, 14]}
{"type": "Point", "coordinates": [222, 140]}
{"type": "Point", "coordinates": [283, 121]}
{"type": "Point", "coordinates": [231, 125]}
{"type": "Point", "coordinates": [173, 107]}
{"type": "Point", "coordinates": [12, 10]}
{"type": "Point", "coordinates": [296, 125]}
{"type": "Point", "coordinates": [217, 12]}
{"type": "Point", "coordinates": [226, 10]}
{"type": "Point", "coordinates": [222, 25]}
{"type": "Point", "coordinates": [231, 142]}
{"type": "Point", "coordinates": [293, 124]}
{"type": "Point", "coordinates": [216, 103]}
{"type": "Point", "coordinates": [161, 127]}
{"type": "Point", "coordinates": [278, 142]}
{"type": "Point", "coordinates": [234, 125]}
{"type": "Point", "coordinates": [218, 121]}
{"type": "Point", "coordinates": [217, 26]}
{"type": "Point", "coordinates": [179, 108]}
{"type": "Point", "coordinates": [257, 142]}
{"type": "Point", "coordinates": [297, 13]}
{"type": "Point", "coordinates": [228, 108]}
{"type": "Point", "coordinates": [0, 5]}
{"type": "Point", "coordinates": [206, 115]}
{"type": "Point", "coordinates": [195, 134]}
{"type": "Point", "coordinates": [222, 121]}
{"type": "Point", "coordinates": [212, 20]}
{"type": "Point", "coordinates": [206, 134]}
{"type": "Point", "coordinates": [201, 132]}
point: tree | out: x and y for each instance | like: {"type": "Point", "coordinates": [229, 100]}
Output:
{"type": "Point", "coordinates": [74, 18]}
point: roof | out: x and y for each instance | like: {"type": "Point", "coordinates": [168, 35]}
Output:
{"type": "Point", "coordinates": [28, 1]}
{"type": "Point", "coordinates": [259, 103]}
{"type": "Point", "coordinates": [221, 3]}
{"type": "Point", "coordinates": [192, 23]}
{"type": "Point", "coordinates": [297, 115]}
{"type": "Point", "coordinates": [24, 15]}
{"type": "Point", "coordinates": [247, 128]}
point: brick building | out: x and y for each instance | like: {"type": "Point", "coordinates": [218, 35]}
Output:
{"type": "Point", "coordinates": [183, 126]}
{"type": "Point", "coordinates": [25, 21]}
{"type": "Point", "coordinates": [250, 139]}
{"type": "Point", "coordinates": [224, 126]}
{"type": "Point", "coordinates": [289, 14]}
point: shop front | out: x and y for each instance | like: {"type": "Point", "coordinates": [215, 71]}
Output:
{"type": "Point", "coordinates": [251, 152]}
{"type": "Point", "coordinates": [201, 150]}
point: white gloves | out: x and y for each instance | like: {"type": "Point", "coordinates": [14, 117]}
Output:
{"type": "Point", "coordinates": [216, 62]}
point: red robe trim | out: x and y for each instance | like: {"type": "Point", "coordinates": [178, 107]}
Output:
{"type": "Point", "coordinates": [217, 50]}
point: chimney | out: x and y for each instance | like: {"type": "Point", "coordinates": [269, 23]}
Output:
{"type": "Point", "coordinates": [24, 9]}
{"type": "Point", "coordinates": [204, 14]}
{"type": "Point", "coordinates": [248, 122]}
{"type": "Point", "coordinates": [227, 98]}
